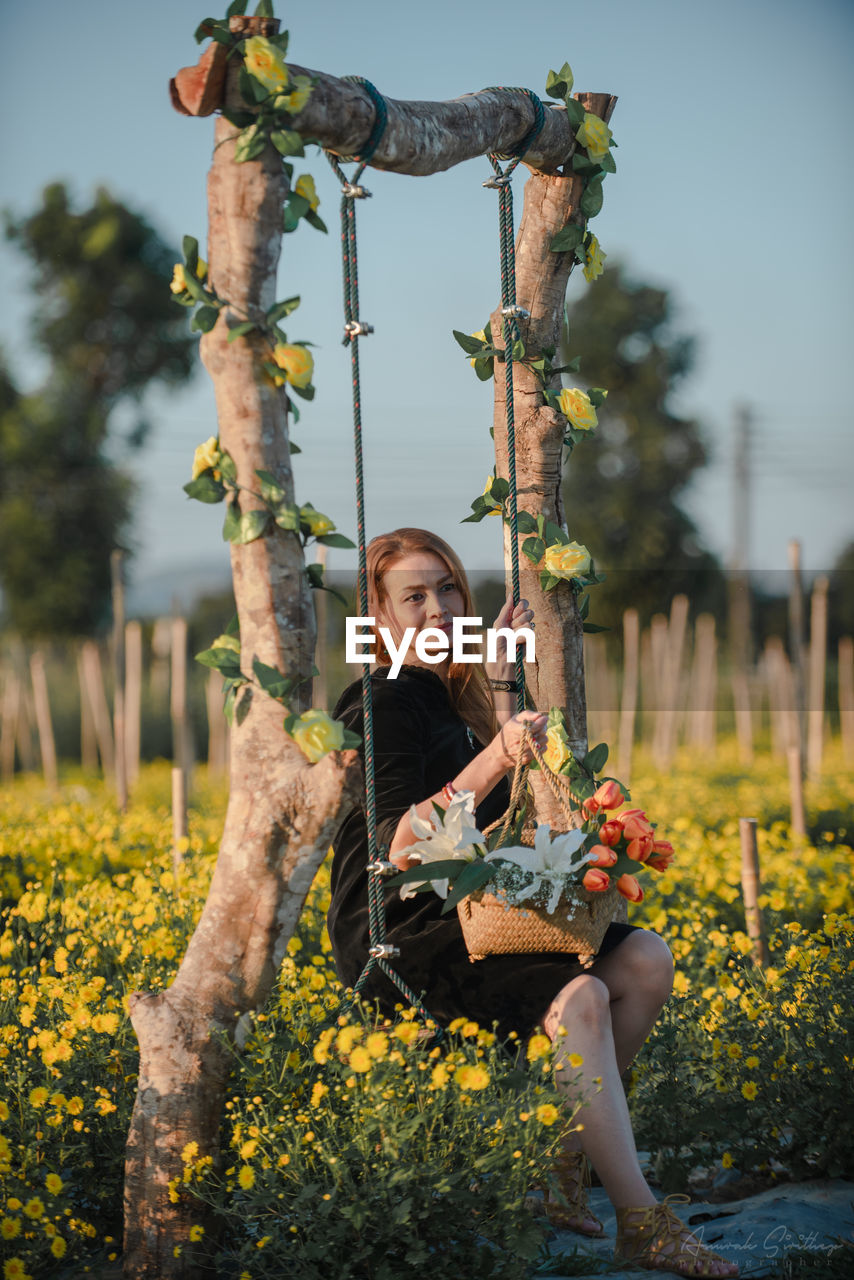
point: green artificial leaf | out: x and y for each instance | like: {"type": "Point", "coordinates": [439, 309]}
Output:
{"type": "Point", "coordinates": [251, 90]}
{"type": "Point", "coordinates": [271, 491]}
{"type": "Point", "coordinates": [231, 523]}
{"type": "Point", "coordinates": [583, 607]}
{"type": "Point", "coordinates": [575, 111]}
{"type": "Point", "coordinates": [595, 760]}
{"type": "Point", "coordinates": [227, 467]}
{"type": "Point", "coordinates": [548, 581]}
{"type": "Point", "coordinates": [597, 396]}
{"type": "Point", "coordinates": [314, 573]}
{"type": "Point", "coordinates": [204, 30]}
{"type": "Point", "coordinates": [205, 489]}
{"type": "Point", "coordinates": [439, 870]}
{"type": "Point", "coordinates": [194, 287]}
{"type": "Point", "coordinates": [351, 740]}
{"type": "Point", "coordinates": [241, 330]}
{"type": "Point", "coordinates": [288, 142]}
{"type": "Point", "coordinates": [240, 119]}
{"type": "Point", "coordinates": [314, 220]}
{"type": "Point", "coordinates": [593, 627]}
{"type": "Point", "coordinates": [483, 369]}
{"type": "Point", "coordinates": [282, 309]}
{"type": "Point", "coordinates": [271, 680]}
{"type": "Point", "coordinates": [252, 525]}
{"type": "Point", "coordinates": [190, 246]}
{"type": "Point", "coordinates": [236, 6]}
{"type": "Point", "coordinates": [608, 162]}
{"type": "Point", "coordinates": [264, 9]}
{"type": "Point", "coordinates": [584, 166]}
{"type": "Point", "coordinates": [569, 237]}
{"type": "Point", "coordinates": [298, 205]}
{"type": "Point", "coordinates": [480, 508]}
{"type": "Point", "coordinates": [592, 198]}
{"type": "Point", "coordinates": [233, 628]}
{"type": "Point", "coordinates": [225, 661]}
{"type": "Point", "coordinates": [222, 35]}
{"type": "Point", "coordinates": [473, 877]}
{"type": "Point", "coordinates": [469, 344]}
{"type": "Point", "coordinates": [290, 221]}
{"type": "Point", "coordinates": [294, 448]}
{"type": "Point", "coordinates": [205, 319]}
{"type": "Point", "coordinates": [500, 489]}
{"type": "Point", "coordinates": [525, 522]}
{"type": "Point", "coordinates": [534, 549]}
{"type": "Point", "coordinates": [559, 83]}
{"type": "Point", "coordinates": [554, 535]}
{"type": "Point", "coordinates": [250, 143]}
{"type": "Point", "coordinates": [306, 393]}
{"type": "Point", "coordinates": [517, 350]}
{"type": "Point", "coordinates": [336, 540]}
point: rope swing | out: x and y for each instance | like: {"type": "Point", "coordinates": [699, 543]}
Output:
{"type": "Point", "coordinates": [381, 952]}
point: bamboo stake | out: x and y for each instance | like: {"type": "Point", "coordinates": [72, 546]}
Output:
{"type": "Point", "coordinates": [44, 724]}
{"type": "Point", "coordinates": [9, 730]}
{"type": "Point", "coordinates": [743, 715]}
{"type": "Point", "coordinates": [629, 697]}
{"type": "Point", "coordinates": [796, 643]}
{"type": "Point", "coordinates": [24, 729]}
{"type": "Point", "coordinates": [796, 791]}
{"type": "Point", "coordinates": [672, 676]}
{"type": "Point", "coordinates": [88, 743]}
{"type": "Point", "coordinates": [179, 819]}
{"type": "Point", "coordinates": [118, 597]}
{"type": "Point", "coordinates": [817, 668]}
{"type": "Point", "coordinates": [94, 678]}
{"type": "Point", "coordinates": [751, 889]}
{"type": "Point", "coordinates": [133, 699]}
{"type": "Point", "coordinates": [846, 697]}
{"type": "Point", "coordinates": [704, 680]}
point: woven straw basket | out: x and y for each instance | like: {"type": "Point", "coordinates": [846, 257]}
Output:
{"type": "Point", "coordinates": [493, 927]}
{"type": "Point", "coordinates": [490, 927]}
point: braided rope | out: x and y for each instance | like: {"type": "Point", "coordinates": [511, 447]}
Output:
{"type": "Point", "coordinates": [557, 784]}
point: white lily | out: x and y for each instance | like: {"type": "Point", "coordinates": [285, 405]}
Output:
{"type": "Point", "coordinates": [551, 861]}
{"type": "Point", "coordinates": [451, 835]}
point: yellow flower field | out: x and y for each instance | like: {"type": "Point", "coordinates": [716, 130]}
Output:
{"type": "Point", "coordinates": [747, 1069]}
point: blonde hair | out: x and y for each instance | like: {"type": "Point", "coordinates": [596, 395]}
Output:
{"type": "Point", "coordinates": [468, 687]}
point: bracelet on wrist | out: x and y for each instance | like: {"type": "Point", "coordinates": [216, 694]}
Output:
{"type": "Point", "coordinates": [449, 792]}
{"type": "Point", "coordinates": [504, 686]}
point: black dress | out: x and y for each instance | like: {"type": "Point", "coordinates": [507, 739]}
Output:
{"type": "Point", "coordinates": [420, 743]}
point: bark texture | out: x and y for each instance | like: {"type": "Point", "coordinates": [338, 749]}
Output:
{"type": "Point", "coordinates": [282, 812]}
{"type": "Point", "coordinates": [557, 678]}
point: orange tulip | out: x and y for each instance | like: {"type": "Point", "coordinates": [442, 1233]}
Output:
{"type": "Point", "coordinates": [610, 833]}
{"type": "Point", "coordinates": [635, 823]}
{"type": "Point", "coordinates": [629, 888]}
{"type": "Point", "coordinates": [662, 855]}
{"type": "Point", "coordinates": [609, 794]}
{"type": "Point", "coordinates": [605, 857]}
{"type": "Point", "coordinates": [640, 848]}
{"type": "Point", "coordinates": [596, 879]}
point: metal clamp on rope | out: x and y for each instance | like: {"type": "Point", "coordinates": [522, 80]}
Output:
{"type": "Point", "coordinates": [352, 191]}
{"type": "Point", "coordinates": [382, 868]}
{"type": "Point", "coordinates": [384, 951]}
{"type": "Point", "coordinates": [358, 329]}
{"type": "Point", "coordinates": [496, 182]}
{"type": "Point", "coordinates": [518, 313]}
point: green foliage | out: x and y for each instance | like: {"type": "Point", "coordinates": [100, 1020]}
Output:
{"type": "Point", "coordinates": [102, 317]}
{"type": "Point", "coordinates": [623, 489]}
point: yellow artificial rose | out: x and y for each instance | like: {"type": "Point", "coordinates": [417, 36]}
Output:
{"type": "Point", "coordinates": [178, 283]}
{"type": "Point", "coordinates": [567, 560]}
{"type": "Point", "coordinates": [594, 260]}
{"type": "Point", "coordinates": [557, 750]}
{"type": "Point", "coordinates": [575, 405]}
{"type": "Point", "coordinates": [294, 101]}
{"type": "Point", "coordinates": [316, 734]}
{"type": "Point", "coordinates": [296, 362]}
{"type": "Point", "coordinates": [595, 135]}
{"type": "Point", "coordinates": [495, 507]}
{"type": "Point", "coordinates": [266, 63]}
{"type": "Point", "coordinates": [305, 187]}
{"type": "Point", "coordinates": [206, 457]}
{"type": "Point", "coordinates": [318, 523]}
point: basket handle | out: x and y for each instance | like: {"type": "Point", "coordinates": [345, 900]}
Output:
{"type": "Point", "coordinates": [557, 784]}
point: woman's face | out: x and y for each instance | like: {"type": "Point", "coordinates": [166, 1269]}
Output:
{"type": "Point", "coordinates": [420, 591]}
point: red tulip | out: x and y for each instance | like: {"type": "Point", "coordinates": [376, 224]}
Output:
{"type": "Point", "coordinates": [629, 888]}
{"type": "Point", "coordinates": [610, 833]}
{"type": "Point", "coordinates": [640, 848]}
{"type": "Point", "coordinates": [605, 857]}
{"type": "Point", "coordinates": [609, 794]}
{"type": "Point", "coordinates": [596, 880]}
{"type": "Point", "coordinates": [589, 808]}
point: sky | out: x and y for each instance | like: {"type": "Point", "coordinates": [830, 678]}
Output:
{"type": "Point", "coordinates": [733, 191]}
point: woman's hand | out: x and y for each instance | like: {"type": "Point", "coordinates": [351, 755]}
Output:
{"type": "Point", "coordinates": [520, 616]}
{"type": "Point", "coordinates": [506, 742]}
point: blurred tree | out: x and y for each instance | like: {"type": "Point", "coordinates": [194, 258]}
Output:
{"type": "Point", "coordinates": [841, 596]}
{"type": "Point", "coordinates": [622, 487]}
{"type": "Point", "coordinates": [103, 317]}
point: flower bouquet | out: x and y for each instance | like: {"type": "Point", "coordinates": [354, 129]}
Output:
{"type": "Point", "coordinates": [555, 893]}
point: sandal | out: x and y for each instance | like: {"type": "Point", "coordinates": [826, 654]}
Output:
{"type": "Point", "coordinates": [573, 1173]}
{"type": "Point", "coordinates": [655, 1238]}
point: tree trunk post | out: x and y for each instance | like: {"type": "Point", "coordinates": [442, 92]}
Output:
{"type": "Point", "coordinates": [94, 680]}
{"type": "Point", "coordinates": [751, 888]}
{"type": "Point", "coordinates": [629, 694]}
{"type": "Point", "coordinates": [796, 644]}
{"type": "Point", "coordinates": [44, 724]}
{"type": "Point", "coordinates": [9, 728]}
{"type": "Point", "coordinates": [180, 828]}
{"type": "Point", "coordinates": [817, 667]}
{"type": "Point", "coordinates": [796, 791]}
{"type": "Point", "coordinates": [133, 700]}
{"type": "Point", "coordinates": [88, 742]}
{"type": "Point", "coordinates": [846, 697]}
{"type": "Point", "coordinates": [181, 748]}
{"type": "Point", "coordinates": [118, 596]}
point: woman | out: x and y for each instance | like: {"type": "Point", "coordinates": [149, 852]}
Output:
{"type": "Point", "coordinates": [444, 728]}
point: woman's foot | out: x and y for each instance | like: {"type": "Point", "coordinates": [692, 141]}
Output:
{"type": "Point", "coordinates": [573, 1174]}
{"type": "Point", "coordinates": [655, 1238]}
